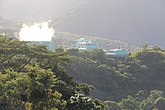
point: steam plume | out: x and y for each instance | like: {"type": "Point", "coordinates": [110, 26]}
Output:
{"type": "Point", "coordinates": [36, 32]}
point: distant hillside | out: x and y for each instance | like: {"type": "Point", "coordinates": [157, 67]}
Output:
{"type": "Point", "coordinates": [136, 21]}
{"type": "Point", "coordinates": [67, 39]}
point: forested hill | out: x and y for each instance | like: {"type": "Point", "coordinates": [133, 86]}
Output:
{"type": "Point", "coordinates": [34, 78]}
{"type": "Point", "coordinates": [115, 78]}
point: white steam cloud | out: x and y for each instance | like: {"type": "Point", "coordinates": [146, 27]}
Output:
{"type": "Point", "coordinates": [36, 32]}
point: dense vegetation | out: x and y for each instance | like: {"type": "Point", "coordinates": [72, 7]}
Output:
{"type": "Point", "coordinates": [33, 78]}
{"type": "Point", "coordinates": [120, 79]}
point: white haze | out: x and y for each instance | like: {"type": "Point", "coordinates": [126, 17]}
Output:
{"type": "Point", "coordinates": [40, 9]}
{"type": "Point", "coordinates": [36, 32]}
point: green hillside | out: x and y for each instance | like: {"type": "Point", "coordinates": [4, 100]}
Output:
{"type": "Point", "coordinates": [34, 78]}
{"type": "Point", "coordinates": [116, 78]}
{"type": "Point", "coordinates": [122, 79]}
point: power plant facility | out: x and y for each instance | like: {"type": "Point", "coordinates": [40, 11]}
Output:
{"type": "Point", "coordinates": [85, 44]}
{"type": "Point", "coordinates": [38, 34]}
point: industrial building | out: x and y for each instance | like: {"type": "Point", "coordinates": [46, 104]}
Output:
{"type": "Point", "coordinates": [85, 44]}
{"type": "Point", "coordinates": [117, 53]}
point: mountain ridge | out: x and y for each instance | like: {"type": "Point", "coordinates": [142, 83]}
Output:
{"type": "Point", "coordinates": [135, 21]}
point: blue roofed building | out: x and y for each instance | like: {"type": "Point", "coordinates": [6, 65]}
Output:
{"type": "Point", "coordinates": [118, 52]}
{"type": "Point", "coordinates": [85, 44]}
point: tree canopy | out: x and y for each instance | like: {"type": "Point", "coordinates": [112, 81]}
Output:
{"type": "Point", "coordinates": [34, 78]}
